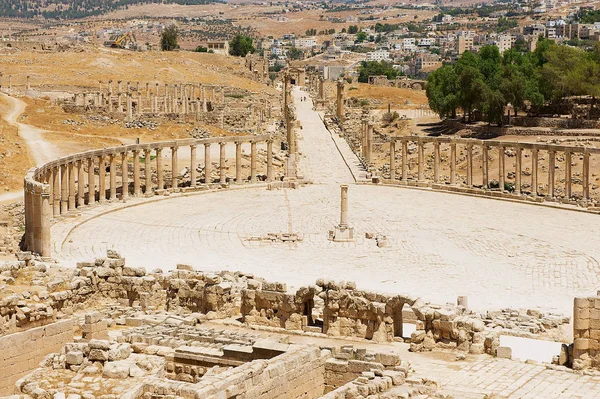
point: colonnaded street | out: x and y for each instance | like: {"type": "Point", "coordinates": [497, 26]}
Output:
{"type": "Point", "coordinates": [441, 245]}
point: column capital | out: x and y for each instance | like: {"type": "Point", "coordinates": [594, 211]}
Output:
{"type": "Point", "coordinates": [193, 146]}
{"type": "Point", "coordinates": [207, 144]}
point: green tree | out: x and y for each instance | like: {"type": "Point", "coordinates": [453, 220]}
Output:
{"type": "Point", "coordinates": [361, 37]}
{"type": "Point", "coordinates": [241, 45]}
{"type": "Point", "coordinates": [441, 89]}
{"type": "Point", "coordinates": [294, 54]}
{"type": "Point", "coordinates": [168, 38]}
{"type": "Point", "coordinates": [353, 29]}
{"type": "Point", "coordinates": [374, 68]}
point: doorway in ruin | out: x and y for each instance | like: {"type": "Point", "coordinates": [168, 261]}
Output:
{"type": "Point", "coordinates": [293, 81]}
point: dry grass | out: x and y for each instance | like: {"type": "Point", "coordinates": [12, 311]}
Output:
{"type": "Point", "coordinates": [15, 159]}
{"type": "Point", "coordinates": [396, 97]}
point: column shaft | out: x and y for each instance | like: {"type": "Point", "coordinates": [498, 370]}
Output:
{"type": "Point", "coordinates": [568, 174]}
{"type": "Point", "coordinates": [222, 176]}
{"type": "Point", "coordinates": [421, 155]}
{"type": "Point", "coordinates": [436, 162]}
{"type": "Point", "coordinates": [518, 169]}
{"type": "Point", "coordinates": [452, 163]}
{"type": "Point", "coordinates": [174, 168]}
{"type": "Point", "coordinates": [534, 171]}
{"type": "Point", "coordinates": [269, 160]}
{"type": "Point", "coordinates": [72, 187]}
{"type": "Point", "coordinates": [551, 171]}
{"type": "Point", "coordinates": [193, 166]}
{"type": "Point", "coordinates": [91, 182]}
{"type": "Point", "coordinates": [102, 178]}
{"type": "Point", "coordinates": [253, 162]}
{"type": "Point", "coordinates": [392, 160]}
{"type": "Point", "coordinates": [124, 176]}
{"type": "Point", "coordinates": [501, 173]}
{"type": "Point", "coordinates": [470, 165]}
{"type": "Point", "coordinates": [159, 169]}
{"type": "Point", "coordinates": [404, 161]}
{"type": "Point", "coordinates": [56, 191]}
{"type": "Point", "coordinates": [484, 166]}
{"type": "Point", "coordinates": [113, 177]}
{"type": "Point", "coordinates": [136, 173]}
{"type": "Point", "coordinates": [80, 184]}
{"type": "Point", "coordinates": [586, 175]}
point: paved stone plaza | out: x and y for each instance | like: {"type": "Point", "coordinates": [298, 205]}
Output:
{"type": "Point", "coordinates": [441, 245]}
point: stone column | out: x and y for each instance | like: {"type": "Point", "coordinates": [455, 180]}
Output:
{"type": "Point", "coordinates": [129, 108]}
{"type": "Point", "coordinates": [420, 158]}
{"type": "Point", "coordinates": [369, 142]}
{"type": "Point", "coordinates": [344, 206]}
{"type": "Point", "coordinates": [56, 191]}
{"type": "Point", "coordinates": [207, 164]}
{"type": "Point", "coordinates": [28, 200]}
{"type": "Point", "coordinates": [253, 161]}
{"type": "Point", "coordinates": [518, 170]}
{"type": "Point", "coordinates": [44, 224]}
{"type": "Point", "coordinates": [321, 89]}
{"type": "Point", "coordinates": [101, 179]}
{"type": "Point", "coordinates": [586, 175]}
{"type": "Point", "coordinates": [159, 169]}
{"type": "Point", "coordinates": [436, 162]}
{"type": "Point", "coordinates": [71, 186]}
{"type": "Point", "coordinates": [340, 101]}
{"type": "Point", "coordinates": [470, 165]}
{"type": "Point", "coordinates": [222, 176]}
{"type": "Point", "coordinates": [91, 182]}
{"type": "Point", "coordinates": [113, 177]}
{"type": "Point", "coordinates": [404, 161]}
{"type": "Point", "coordinates": [193, 166]}
{"type": "Point", "coordinates": [484, 166]}
{"type": "Point", "coordinates": [568, 174]}
{"type": "Point", "coordinates": [120, 102]}
{"type": "Point", "coordinates": [174, 168]}
{"type": "Point", "coordinates": [452, 163]}
{"type": "Point", "coordinates": [238, 162]}
{"type": "Point", "coordinates": [501, 170]}
{"type": "Point", "coordinates": [269, 160]}
{"type": "Point", "coordinates": [80, 184]}
{"type": "Point", "coordinates": [124, 176]}
{"type": "Point", "coordinates": [534, 171]}
{"type": "Point", "coordinates": [136, 173]}
{"type": "Point", "coordinates": [392, 160]}
{"type": "Point", "coordinates": [148, 172]}
{"type": "Point", "coordinates": [551, 171]}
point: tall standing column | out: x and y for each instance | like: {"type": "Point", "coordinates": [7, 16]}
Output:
{"type": "Point", "coordinates": [174, 168]}
{"type": "Point", "coordinates": [586, 175]}
{"type": "Point", "coordinates": [129, 108]}
{"type": "Point", "coordinates": [534, 171]}
{"type": "Point", "coordinates": [238, 162]}
{"type": "Point", "coordinates": [222, 176]}
{"type": "Point", "coordinates": [485, 166]}
{"type": "Point", "coordinates": [369, 142]}
{"type": "Point", "coordinates": [56, 191]}
{"type": "Point", "coordinates": [207, 164]}
{"type": "Point", "coordinates": [518, 169]}
{"type": "Point", "coordinates": [101, 178]}
{"type": "Point", "coordinates": [551, 171]}
{"type": "Point", "coordinates": [159, 170]}
{"type": "Point", "coordinates": [71, 186]}
{"type": "Point", "coordinates": [344, 206]}
{"type": "Point", "coordinates": [269, 160]}
{"type": "Point", "coordinates": [452, 163]}
{"type": "Point", "coordinates": [501, 170]}
{"type": "Point", "coordinates": [148, 172]}
{"type": "Point", "coordinates": [124, 176]}
{"type": "Point", "coordinates": [113, 177]}
{"type": "Point", "coordinates": [568, 174]}
{"type": "Point", "coordinates": [80, 184]}
{"type": "Point", "coordinates": [340, 101]}
{"type": "Point", "coordinates": [421, 160]}
{"type": "Point", "coordinates": [44, 223]}
{"type": "Point", "coordinates": [321, 91]}
{"type": "Point", "coordinates": [28, 199]}
{"type": "Point", "coordinates": [392, 160]}
{"type": "Point", "coordinates": [470, 165]}
{"type": "Point", "coordinates": [253, 161]}
{"type": "Point", "coordinates": [136, 173]}
{"type": "Point", "coordinates": [404, 161]}
{"type": "Point", "coordinates": [193, 166]}
{"type": "Point", "coordinates": [436, 162]}
{"type": "Point", "coordinates": [91, 181]}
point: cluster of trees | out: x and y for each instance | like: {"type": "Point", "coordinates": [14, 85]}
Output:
{"type": "Point", "coordinates": [590, 17]}
{"type": "Point", "coordinates": [488, 81]}
{"type": "Point", "coordinates": [505, 24]}
{"type": "Point", "coordinates": [168, 38]}
{"type": "Point", "coordinates": [241, 45]}
{"type": "Point", "coordinates": [73, 9]}
{"type": "Point", "coordinates": [376, 68]}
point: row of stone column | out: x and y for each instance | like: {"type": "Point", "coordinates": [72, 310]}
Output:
{"type": "Point", "coordinates": [501, 165]}
{"type": "Point", "coordinates": [37, 216]}
{"type": "Point", "coordinates": [75, 183]}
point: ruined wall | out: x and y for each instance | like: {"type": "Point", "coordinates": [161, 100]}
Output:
{"type": "Point", "coordinates": [21, 353]}
{"type": "Point", "coordinates": [586, 332]}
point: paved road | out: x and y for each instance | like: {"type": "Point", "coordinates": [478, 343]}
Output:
{"type": "Point", "coordinates": [441, 245]}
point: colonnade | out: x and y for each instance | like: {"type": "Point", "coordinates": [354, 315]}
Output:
{"type": "Point", "coordinates": [66, 184]}
{"type": "Point", "coordinates": [497, 148]}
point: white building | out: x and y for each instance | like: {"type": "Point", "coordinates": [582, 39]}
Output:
{"type": "Point", "coordinates": [504, 42]}
{"type": "Point", "coordinates": [304, 42]}
{"type": "Point", "coordinates": [379, 55]}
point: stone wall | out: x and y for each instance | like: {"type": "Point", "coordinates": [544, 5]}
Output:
{"type": "Point", "coordinates": [586, 332]}
{"type": "Point", "coordinates": [21, 353]}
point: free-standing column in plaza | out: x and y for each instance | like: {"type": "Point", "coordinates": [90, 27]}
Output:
{"type": "Point", "coordinates": [193, 166]}
{"type": "Point", "coordinates": [436, 162]}
{"type": "Point", "coordinates": [136, 173]}
{"type": "Point", "coordinates": [102, 178]}
{"type": "Point", "coordinates": [91, 182]}
{"type": "Point", "coordinates": [420, 159]}
{"type": "Point", "coordinates": [518, 152]}
{"type": "Point", "coordinates": [124, 176]}
{"type": "Point", "coordinates": [452, 163]}
{"type": "Point", "coordinates": [148, 172]}
{"type": "Point", "coordinates": [238, 162]}
{"type": "Point", "coordinates": [568, 174]}
{"type": "Point", "coordinates": [392, 160]}
{"type": "Point", "coordinates": [269, 160]}
{"type": "Point", "coordinates": [534, 171]}
{"type": "Point", "coordinates": [80, 183]}
{"type": "Point", "coordinates": [56, 191]}
{"type": "Point", "coordinates": [174, 168]}
{"type": "Point", "coordinates": [340, 101]}
{"type": "Point", "coordinates": [207, 164]}
{"type": "Point", "coordinates": [71, 186]}
{"type": "Point", "coordinates": [551, 167]}
{"type": "Point", "coordinates": [222, 177]}
{"type": "Point", "coordinates": [404, 160]}
{"type": "Point", "coordinates": [253, 161]}
{"type": "Point", "coordinates": [470, 165]}
{"type": "Point", "coordinates": [344, 206]}
{"type": "Point", "coordinates": [484, 166]}
{"type": "Point", "coordinates": [113, 176]}
{"type": "Point", "coordinates": [159, 169]}
{"type": "Point", "coordinates": [501, 173]}
{"type": "Point", "coordinates": [586, 175]}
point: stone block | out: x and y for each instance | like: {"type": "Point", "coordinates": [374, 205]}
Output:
{"type": "Point", "coordinates": [504, 352]}
{"type": "Point", "coordinates": [74, 357]}
{"type": "Point", "coordinates": [98, 354]}
{"type": "Point", "coordinates": [116, 370]}
{"type": "Point", "coordinates": [94, 317]}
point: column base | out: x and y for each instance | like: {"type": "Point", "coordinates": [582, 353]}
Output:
{"type": "Point", "coordinates": [342, 234]}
